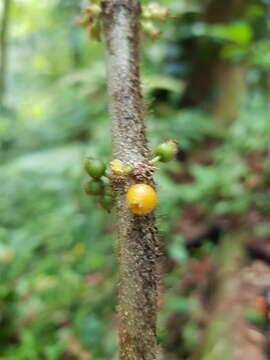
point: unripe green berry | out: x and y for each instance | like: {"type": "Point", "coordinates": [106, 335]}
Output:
{"type": "Point", "coordinates": [94, 167]}
{"type": "Point", "coordinates": [166, 150]}
{"type": "Point", "coordinates": [94, 187]}
{"type": "Point", "coordinates": [107, 201]}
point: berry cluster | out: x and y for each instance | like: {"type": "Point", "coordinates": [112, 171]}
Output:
{"type": "Point", "coordinates": [98, 185]}
{"type": "Point", "coordinates": [90, 19]}
{"type": "Point", "coordinates": [141, 199]}
{"type": "Point", "coordinates": [151, 13]}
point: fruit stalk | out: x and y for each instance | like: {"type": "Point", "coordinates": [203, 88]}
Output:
{"type": "Point", "coordinates": [137, 237]}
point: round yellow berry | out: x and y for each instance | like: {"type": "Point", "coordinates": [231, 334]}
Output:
{"type": "Point", "coordinates": [141, 199]}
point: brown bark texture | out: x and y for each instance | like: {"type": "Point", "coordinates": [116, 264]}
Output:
{"type": "Point", "coordinates": [137, 236]}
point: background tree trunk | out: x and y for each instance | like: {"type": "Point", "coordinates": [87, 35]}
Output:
{"type": "Point", "coordinates": [213, 75]}
{"type": "Point", "coordinates": [230, 80]}
{"type": "Point", "coordinates": [137, 238]}
{"type": "Point", "coordinates": [229, 76]}
{"type": "Point", "coordinates": [228, 335]}
{"type": "Point", "coordinates": [3, 49]}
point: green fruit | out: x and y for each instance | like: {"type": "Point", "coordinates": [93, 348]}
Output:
{"type": "Point", "coordinates": [107, 201]}
{"type": "Point", "coordinates": [94, 187]}
{"type": "Point", "coordinates": [94, 167]}
{"type": "Point", "coordinates": [166, 150]}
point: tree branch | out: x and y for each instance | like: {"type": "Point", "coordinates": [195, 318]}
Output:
{"type": "Point", "coordinates": [137, 239]}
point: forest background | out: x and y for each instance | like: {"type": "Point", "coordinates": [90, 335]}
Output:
{"type": "Point", "coordinates": [206, 83]}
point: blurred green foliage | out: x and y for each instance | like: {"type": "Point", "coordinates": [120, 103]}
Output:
{"type": "Point", "coordinates": [57, 263]}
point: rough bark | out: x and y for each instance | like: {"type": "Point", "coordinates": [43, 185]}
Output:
{"type": "Point", "coordinates": [137, 238]}
{"type": "Point", "coordinates": [3, 48]}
